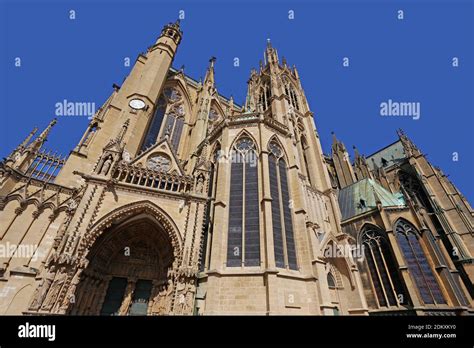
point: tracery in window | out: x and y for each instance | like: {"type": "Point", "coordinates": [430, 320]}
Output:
{"type": "Point", "coordinates": [168, 119]}
{"type": "Point", "coordinates": [382, 267]}
{"type": "Point", "coordinates": [408, 239]}
{"type": "Point", "coordinates": [291, 93]}
{"type": "Point", "coordinates": [243, 243]}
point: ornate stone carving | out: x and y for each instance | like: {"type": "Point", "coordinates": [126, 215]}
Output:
{"type": "Point", "coordinates": [54, 290]}
{"type": "Point", "coordinates": [42, 290]}
{"type": "Point", "coordinates": [106, 166]}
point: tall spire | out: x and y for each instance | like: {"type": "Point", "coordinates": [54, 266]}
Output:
{"type": "Point", "coordinates": [271, 55]}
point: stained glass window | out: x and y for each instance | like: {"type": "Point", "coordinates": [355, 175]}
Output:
{"type": "Point", "coordinates": [283, 237]}
{"type": "Point", "coordinates": [169, 113]}
{"type": "Point", "coordinates": [155, 125]}
{"type": "Point", "coordinates": [418, 266]}
{"type": "Point", "coordinates": [382, 267]}
{"type": "Point", "coordinates": [177, 131]}
{"type": "Point", "coordinates": [243, 243]}
{"type": "Point", "coordinates": [375, 278]}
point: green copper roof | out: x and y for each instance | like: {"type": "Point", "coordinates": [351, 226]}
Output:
{"type": "Point", "coordinates": [362, 197]}
{"type": "Point", "coordinates": [392, 154]}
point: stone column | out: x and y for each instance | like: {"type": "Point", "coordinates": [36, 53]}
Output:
{"type": "Point", "coordinates": [128, 296]}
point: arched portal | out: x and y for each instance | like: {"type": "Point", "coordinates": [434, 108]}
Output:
{"type": "Point", "coordinates": [129, 270]}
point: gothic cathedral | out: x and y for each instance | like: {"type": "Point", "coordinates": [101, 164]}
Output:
{"type": "Point", "coordinates": [178, 201]}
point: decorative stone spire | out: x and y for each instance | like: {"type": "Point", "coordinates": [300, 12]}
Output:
{"type": "Point", "coordinates": [271, 55]}
{"type": "Point", "coordinates": [39, 141]}
{"type": "Point", "coordinates": [210, 79]}
{"type": "Point", "coordinates": [19, 149]}
{"type": "Point", "coordinates": [28, 138]}
{"type": "Point", "coordinates": [249, 100]}
{"type": "Point", "coordinates": [409, 147]}
{"type": "Point", "coordinates": [44, 135]}
{"type": "Point", "coordinates": [122, 132]}
{"type": "Point", "coordinates": [361, 168]}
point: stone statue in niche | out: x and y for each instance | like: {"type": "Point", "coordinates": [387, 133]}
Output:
{"type": "Point", "coordinates": [70, 296]}
{"type": "Point", "coordinates": [161, 303]}
{"type": "Point", "coordinates": [200, 185]}
{"type": "Point", "coordinates": [42, 290]}
{"type": "Point", "coordinates": [55, 289]}
{"type": "Point", "coordinates": [184, 298]}
{"type": "Point", "coordinates": [106, 166]}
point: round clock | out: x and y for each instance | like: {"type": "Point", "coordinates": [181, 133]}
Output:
{"type": "Point", "coordinates": [137, 104]}
{"type": "Point", "coordinates": [159, 162]}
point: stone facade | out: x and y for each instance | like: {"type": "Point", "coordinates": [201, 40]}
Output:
{"type": "Point", "coordinates": [178, 201]}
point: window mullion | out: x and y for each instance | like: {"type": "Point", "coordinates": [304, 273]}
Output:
{"type": "Point", "coordinates": [420, 268]}
{"type": "Point", "coordinates": [388, 274]}
{"type": "Point", "coordinates": [379, 276]}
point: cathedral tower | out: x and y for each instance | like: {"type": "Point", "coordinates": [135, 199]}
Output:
{"type": "Point", "coordinates": [274, 209]}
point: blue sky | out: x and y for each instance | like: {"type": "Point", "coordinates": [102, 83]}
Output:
{"type": "Point", "coordinates": [407, 60]}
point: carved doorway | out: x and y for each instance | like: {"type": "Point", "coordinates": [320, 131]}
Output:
{"type": "Point", "coordinates": [129, 271]}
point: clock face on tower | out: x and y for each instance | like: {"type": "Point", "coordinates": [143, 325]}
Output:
{"type": "Point", "coordinates": [137, 104]}
{"type": "Point", "coordinates": [159, 162]}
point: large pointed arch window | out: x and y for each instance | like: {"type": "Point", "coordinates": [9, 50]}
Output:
{"type": "Point", "coordinates": [408, 239]}
{"type": "Point", "coordinates": [155, 125]}
{"type": "Point", "coordinates": [243, 243]}
{"type": "Point", "coordinates": [283, 238]}
{"type": "Point", "coordinates": [383, 268]}
{"type": "Point", "coordinates": [169, 113]}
